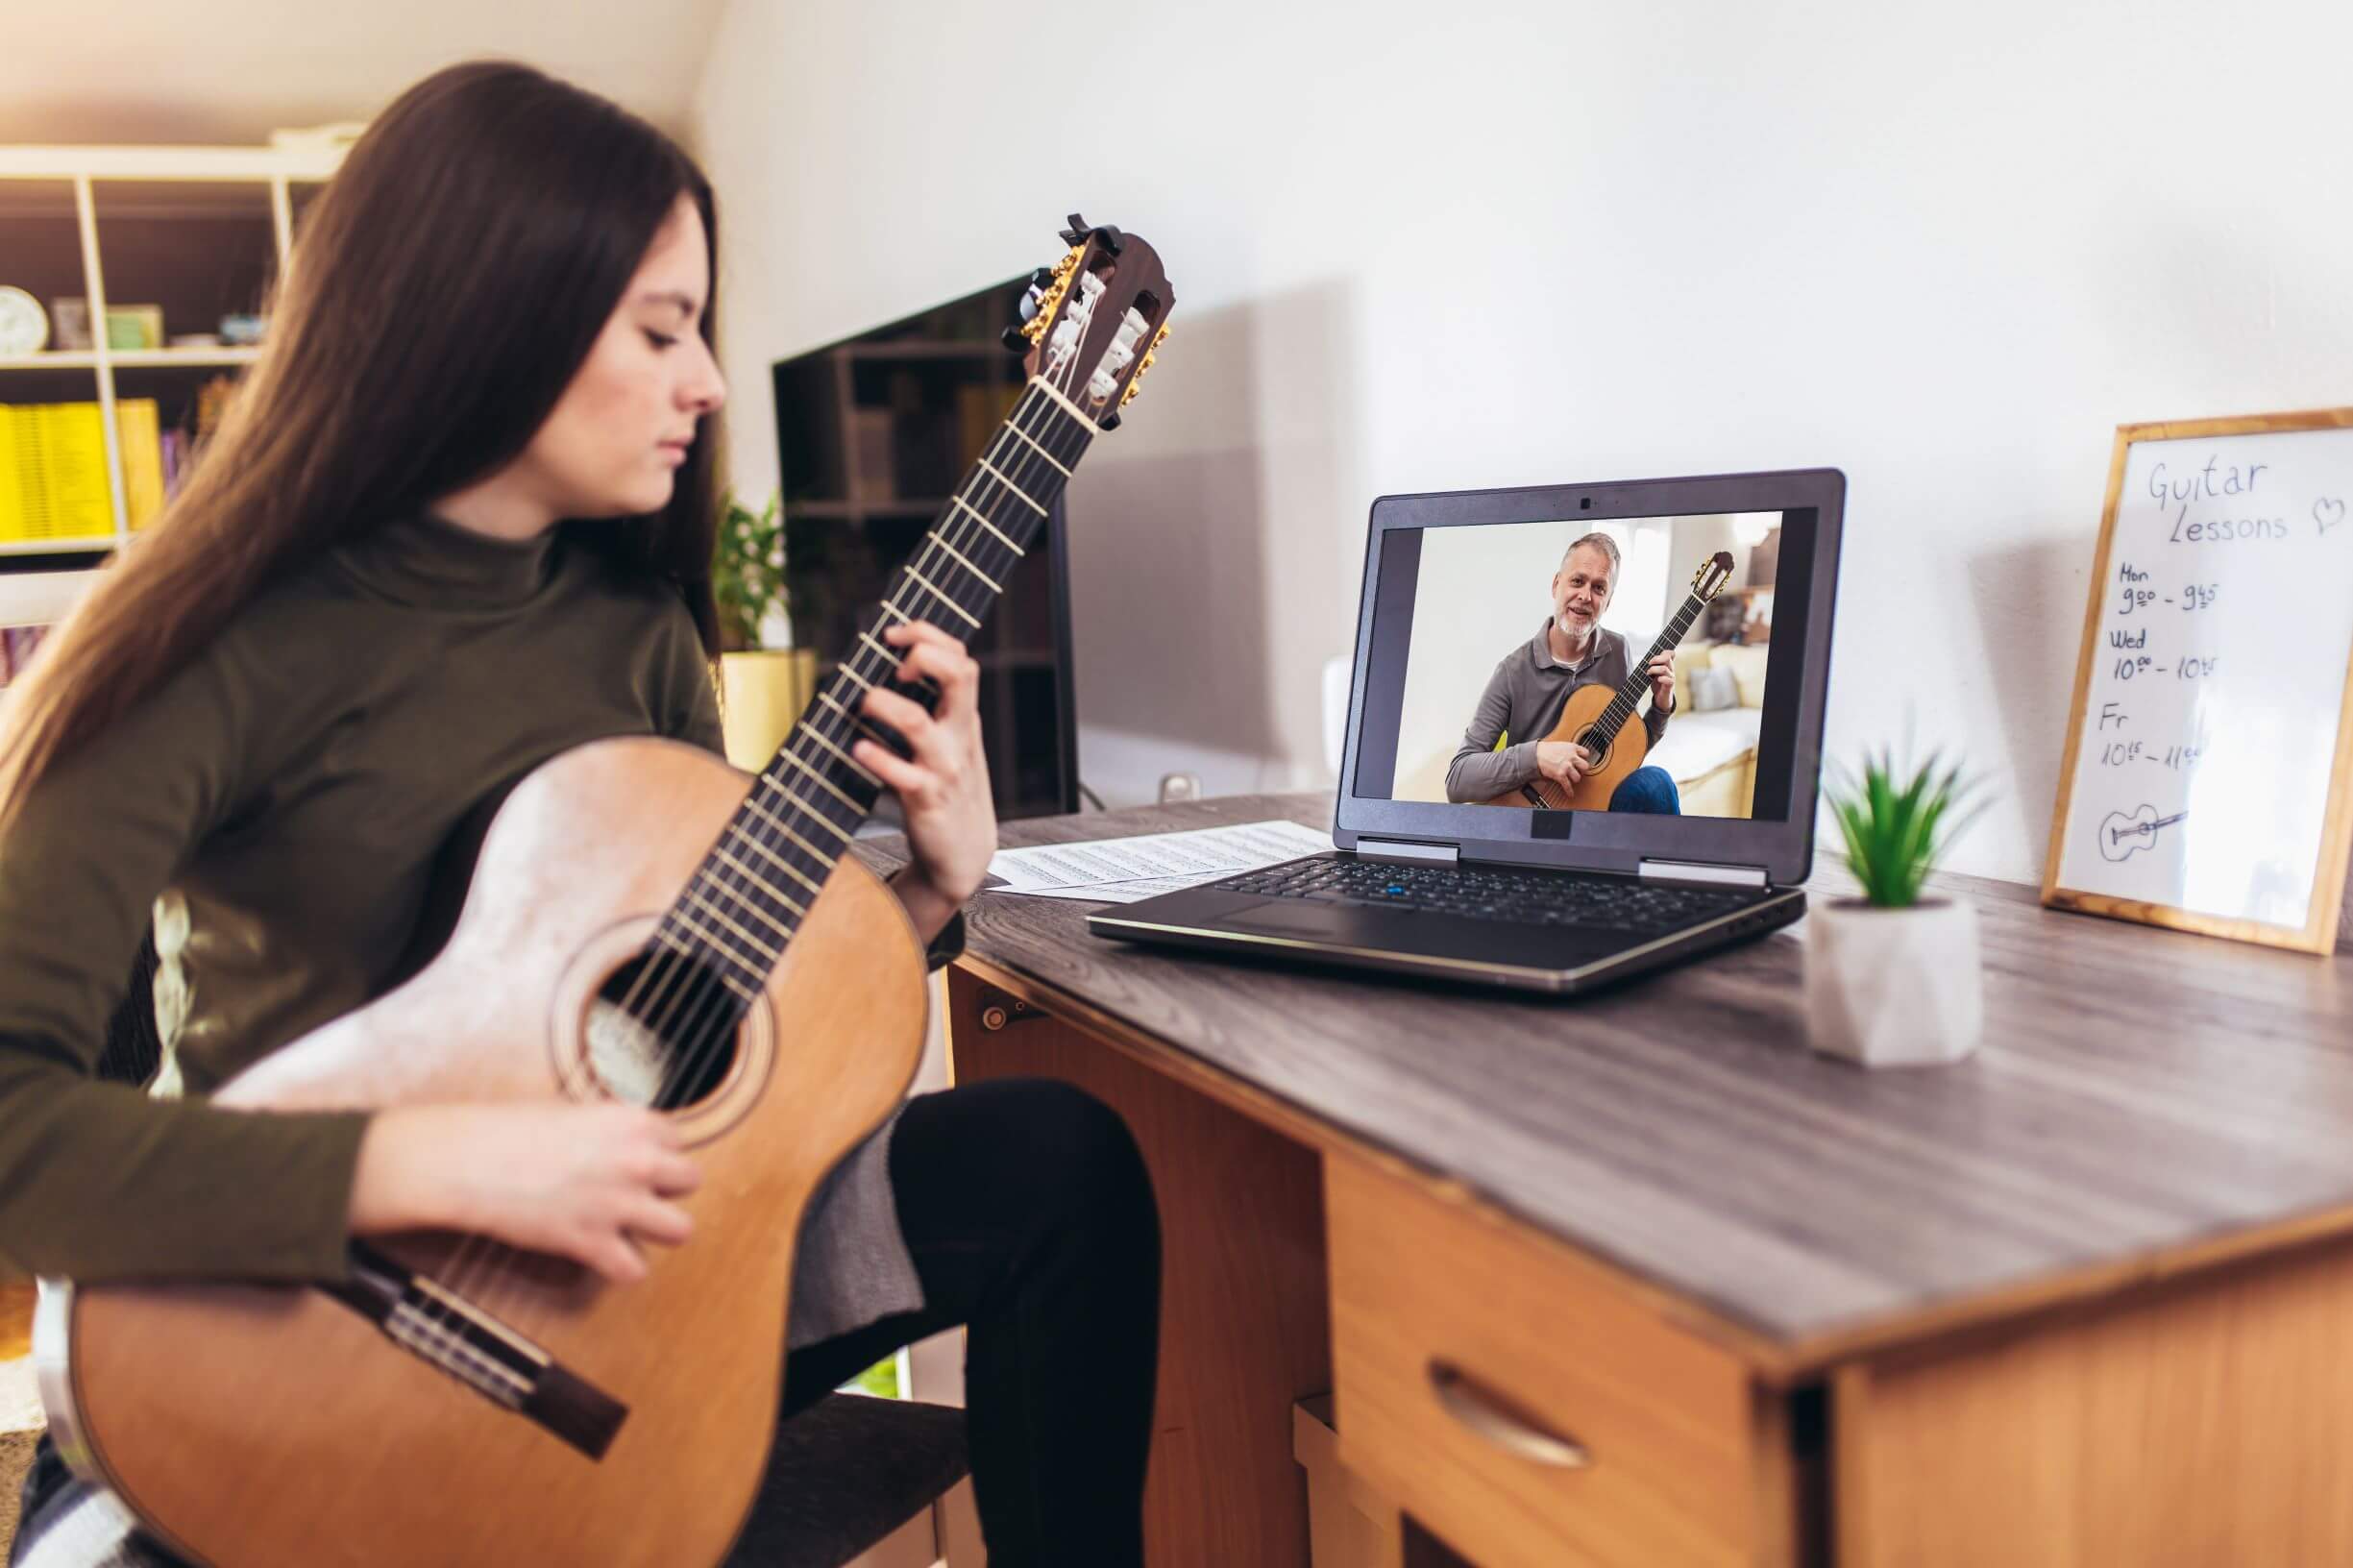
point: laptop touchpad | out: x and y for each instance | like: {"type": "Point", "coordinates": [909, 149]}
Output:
{"type": "Point", "coordinates": [1284, 918]}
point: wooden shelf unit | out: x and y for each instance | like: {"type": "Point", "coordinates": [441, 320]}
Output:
{"type": "Point", "coordinates": [65, 208]}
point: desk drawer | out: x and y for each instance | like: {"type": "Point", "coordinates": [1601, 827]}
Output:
{"type": "Point", "coordinates": [1522, 1407]}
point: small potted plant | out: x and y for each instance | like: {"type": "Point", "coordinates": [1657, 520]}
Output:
{"type": "Point", "coordinates": [764, 680]}
{"type": "Point", "coordinates": [1892, 979]}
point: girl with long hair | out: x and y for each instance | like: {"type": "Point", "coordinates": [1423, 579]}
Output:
{"type": "Point", "coordinates": [460, 520]}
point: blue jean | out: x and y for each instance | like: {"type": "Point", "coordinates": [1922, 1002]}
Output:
{"type": "Point", "coordinates": [1647, 789]}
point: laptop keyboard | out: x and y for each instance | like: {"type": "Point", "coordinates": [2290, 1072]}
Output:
{"type": "Point", "coordinates": [1495, 892]}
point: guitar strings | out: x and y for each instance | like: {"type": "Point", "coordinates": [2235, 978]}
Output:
{"type": "Point", "coordinates": [1628, 694]}
{"type": "Point", "coordinates": [838, 724]}
{"type": "Point", "coordinates": [667, 1006]}
{"type": "Point", "coordinates": [664, 1011]}
{"type": "Point", "coordinates": [1017, 452]}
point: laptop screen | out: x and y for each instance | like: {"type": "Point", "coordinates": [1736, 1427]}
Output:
{"type": "Point", "coordinates": [1652, 669]}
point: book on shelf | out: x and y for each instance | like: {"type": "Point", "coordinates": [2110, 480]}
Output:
{"type": "Point", "coordinates": [52, 458]}
{"type": "Point", "coordinates": [17, 646]}
{"type": "Point", "coordinates": [53, 469]}
{"type": "Point", "coordinates": [175, 447]}
{"type": "Point", "coordinates": [142, 448]}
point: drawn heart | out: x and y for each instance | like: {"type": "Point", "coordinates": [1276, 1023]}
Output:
{"type": "Point", "coordinates": [2327, 513]}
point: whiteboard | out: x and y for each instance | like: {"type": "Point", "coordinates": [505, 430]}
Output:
{"type": "Point", "coordinates": [2205, 779]}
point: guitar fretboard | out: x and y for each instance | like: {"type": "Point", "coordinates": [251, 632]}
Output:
{"type": "Point", "coordinates": [744, 904]}
{"type": "Point", "coordinates": [1637, 680]}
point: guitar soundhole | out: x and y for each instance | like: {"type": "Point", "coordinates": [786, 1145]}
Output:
{"type": "Point", "coordinates": [663, 1036]}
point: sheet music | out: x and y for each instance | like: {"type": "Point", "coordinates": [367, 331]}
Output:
{"type": "Point", "coordinates": [1125, 870]}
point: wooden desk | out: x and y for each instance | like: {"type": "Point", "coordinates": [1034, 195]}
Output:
{"type": "Point", "coordinates": [2084, 1299]}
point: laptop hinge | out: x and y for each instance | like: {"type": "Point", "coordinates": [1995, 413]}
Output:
{"type": "Point", "coordinates": [1686, 871]}
{"type": "Point", "coordinates": [1399, 850]}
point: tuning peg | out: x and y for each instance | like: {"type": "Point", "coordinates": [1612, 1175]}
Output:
{"type": "Point", "coordinates": [1039, 280]}
{"type": "Point", "coordinates": [1160, 337]}
{"type": "Point", "coordinates": [1111, 421]}
{"type": "Point", "coordinates": [1015, 339]}
{"type": "Point", "coordinates": [1112, 239]}
{"type": "Point", "coordinates": [1077, 232]}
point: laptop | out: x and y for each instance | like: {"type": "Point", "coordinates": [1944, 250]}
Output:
{"type": "Point", "coordinates": [1515, 809]}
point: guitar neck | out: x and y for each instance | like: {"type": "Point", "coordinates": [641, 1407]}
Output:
{"type": "Point", "coordinates": [744, 904]}
{"type": "Point", "coordinates": [1638, 679]}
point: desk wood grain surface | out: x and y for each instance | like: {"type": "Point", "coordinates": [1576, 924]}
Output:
{"type": "Point", "coordinates": [2145, 1101]}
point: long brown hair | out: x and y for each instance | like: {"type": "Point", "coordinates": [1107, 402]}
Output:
{"type": "Point", "coordinates": [448, 283]}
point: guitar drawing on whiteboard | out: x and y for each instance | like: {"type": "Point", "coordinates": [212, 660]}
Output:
{"type": "Point", "coordinates": [2121, 834]}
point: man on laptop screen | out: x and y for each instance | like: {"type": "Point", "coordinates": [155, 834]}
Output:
{"type": "Point", "coordinates": [1615, 592]}
{"type": "Point", "coordinates": [1532, 684]}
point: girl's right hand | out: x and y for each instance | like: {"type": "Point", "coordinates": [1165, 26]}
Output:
{"type": "Point", "coordinates": [590, 1183]}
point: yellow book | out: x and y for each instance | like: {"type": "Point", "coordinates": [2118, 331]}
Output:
{"type": "Point", "coordinates": [13, 479]}
{"type": "Point", "coordinates": [75, 504]}
{"type": "Point", "coordinates": [137, 429]}
{"type": "Point", "coordinates": [29, 457]}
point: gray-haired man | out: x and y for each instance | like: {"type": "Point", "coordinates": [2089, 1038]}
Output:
{"type": "Point", "coordinates": [1531, 685]}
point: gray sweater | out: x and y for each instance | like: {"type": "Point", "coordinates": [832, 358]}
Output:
{"type": "Point", "coordinates": [277, 809]}
{"type": "Point", "coordinates": [1524, 699]}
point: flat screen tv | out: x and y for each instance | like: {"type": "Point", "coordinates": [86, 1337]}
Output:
{"type": "Point", "coordinates": [872, 435]}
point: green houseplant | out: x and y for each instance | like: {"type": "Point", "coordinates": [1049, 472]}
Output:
{"type": "Point", "coordinates": [747, 574]}
{"type": "Point", "coordinates": [1891, 978]}
{"type": "Point", "coordinates": [764, 680]}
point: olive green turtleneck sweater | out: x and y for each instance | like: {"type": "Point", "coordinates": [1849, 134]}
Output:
{"type": "Point", "coordinates": [277, 805]}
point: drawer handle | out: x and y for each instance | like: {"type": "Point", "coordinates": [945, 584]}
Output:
{"type": "Point", "coordinates": [1486, 1414]}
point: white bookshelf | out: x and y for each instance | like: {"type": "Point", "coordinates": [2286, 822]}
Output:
{"type": "Point", "coordinates": [35, 599]}
{"type": "Point", "coordinates": [115, 191]}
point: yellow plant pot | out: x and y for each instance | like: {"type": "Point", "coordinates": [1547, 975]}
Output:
{"type": "Point", "coordinates": [761, 694]}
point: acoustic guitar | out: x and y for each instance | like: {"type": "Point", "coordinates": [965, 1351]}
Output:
{"type": "Point", "coordinates": [1596, 716]}
{"type": "Point", "coordinates": [721, 957]}
{"type": "Point", "coordinates": [2122, 833]}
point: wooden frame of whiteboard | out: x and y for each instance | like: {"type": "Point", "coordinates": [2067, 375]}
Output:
{"type": "Point", "coordinates": [2318, 933]}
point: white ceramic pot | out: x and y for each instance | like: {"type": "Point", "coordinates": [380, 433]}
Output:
{"type": "Point", "coordinates": [1893, 987]}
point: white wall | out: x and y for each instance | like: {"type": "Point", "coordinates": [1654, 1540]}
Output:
{"type": "Point", "coordinates": [128, 72]}
{"type": "Point", "coordinates": [1429, 247]}
{"type": "Point", "coordinates": [1480, 594]}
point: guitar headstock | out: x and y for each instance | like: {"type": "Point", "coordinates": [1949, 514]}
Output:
{"type": "Point", "coordinates": [1092, 322]}
{"type": "Point", "coordinates": [1713, 573]}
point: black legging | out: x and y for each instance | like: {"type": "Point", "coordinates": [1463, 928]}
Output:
{"type": "Point", "coordinates": [1031, 1220]}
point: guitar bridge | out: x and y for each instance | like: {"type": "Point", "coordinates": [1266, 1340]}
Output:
{"type": "Point", "coordinates": [450, 1335]}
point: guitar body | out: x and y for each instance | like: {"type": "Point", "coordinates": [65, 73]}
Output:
{"type": "Point", "coordinates": [1610, 769]}
{"type": "Point", "coordinates": [266, 1425]}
